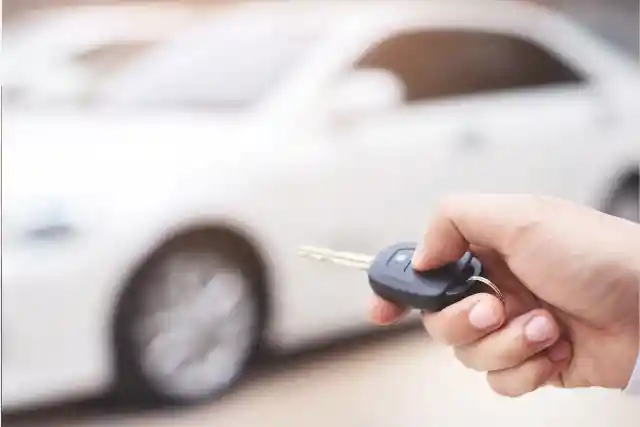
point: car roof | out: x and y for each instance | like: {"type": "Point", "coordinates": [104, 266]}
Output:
{"type": "Point", "coordinates": [456, 10]}
{"type": "Point", "coordinates": [155, 14]}
{"type": "Point", "coordinates": [153, 21]}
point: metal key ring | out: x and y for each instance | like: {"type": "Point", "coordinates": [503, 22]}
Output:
{"type": "Point", "coordinates": [490, 284]}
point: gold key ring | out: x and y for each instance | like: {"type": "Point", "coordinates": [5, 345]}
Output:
{"type": "Point", "coordinates": [490, 284]}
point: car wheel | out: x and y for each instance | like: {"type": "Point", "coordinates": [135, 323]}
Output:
{"type": "Point", "coordinates": [625, 202]}
{"type": "Point", "coordinates": [189, 324]}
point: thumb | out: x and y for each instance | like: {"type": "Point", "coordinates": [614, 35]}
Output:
{"type": "Point", "coordinates": [490, 221]}
{"type": "Point", "coordinates": [442, 243]}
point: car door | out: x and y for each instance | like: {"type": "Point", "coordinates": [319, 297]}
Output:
{"type": "Point", "coordinates": [485, 110]}
{"type": "Point", "coordinates": [535, 122]}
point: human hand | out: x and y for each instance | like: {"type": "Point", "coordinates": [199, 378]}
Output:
{"type": "Point", "coordinates": [570, 277]}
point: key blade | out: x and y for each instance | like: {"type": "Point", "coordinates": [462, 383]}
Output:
{"type": "Point", "coordinates": [329, 253]}
{"type": "Point", "coordinates": [347, 259]}
{"type": "Point", "coordinates": [336, 254]}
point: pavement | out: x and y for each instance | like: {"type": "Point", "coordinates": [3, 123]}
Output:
{"type": "Point", "coordinates": [395, 380]}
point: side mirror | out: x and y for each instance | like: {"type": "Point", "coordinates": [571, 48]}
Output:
{"type": "Point", "coordinates": [364, 92]}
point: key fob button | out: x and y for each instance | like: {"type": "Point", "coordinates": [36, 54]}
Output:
{"type": "Point", "coordinates": [393, 278]}
{"type": "Point", "coordinates": [401, 260]}
{"type": "Point", "coordinates": [398, 261]}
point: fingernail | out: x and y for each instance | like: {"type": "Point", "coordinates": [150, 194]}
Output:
{"type": "Point", "coordinates": [482, 316]}
{"type": "Point", "coordinates": [384, 315]}
{"type": "Point", "coordinates": [538, 329]}
{"type": "Point", "coordinates": [559, 352]}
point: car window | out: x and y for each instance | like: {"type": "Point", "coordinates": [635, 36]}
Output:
{"type": "Point", "coordinates": [441, 63]}
{"type": "Point", "coordinates": [104, 60]}
{"type": "Point", "coordinates": [199, 69]}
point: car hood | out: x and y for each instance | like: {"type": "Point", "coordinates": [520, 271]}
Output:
{"type": "Point", "coordinates": [78, 150]}
{"type": "Point", "coordinates": [111, 160]}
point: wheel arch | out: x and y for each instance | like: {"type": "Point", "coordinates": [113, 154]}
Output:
{"type": "Point", "coordinates": [257, 257]}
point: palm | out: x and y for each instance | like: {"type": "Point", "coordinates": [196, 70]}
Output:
{"type": "Point", "coordinates": [592, 316]}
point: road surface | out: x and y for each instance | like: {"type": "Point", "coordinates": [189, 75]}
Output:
{"type": "Point", "coordinates": [400, 380]}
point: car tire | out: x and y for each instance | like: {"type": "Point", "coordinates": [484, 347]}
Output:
{"type": "Point", "coordinates": [189, 324]}
{"type": "Point", "coordinates": [625, 201]}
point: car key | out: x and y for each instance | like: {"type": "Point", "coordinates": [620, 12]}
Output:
{"type": "Point", "coordinates": [393, 278]}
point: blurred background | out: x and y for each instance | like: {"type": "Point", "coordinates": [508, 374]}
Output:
{"type": "Point", "coordinates": [617, 20]}
{"type": "Point", "coordinates": [163, 161]}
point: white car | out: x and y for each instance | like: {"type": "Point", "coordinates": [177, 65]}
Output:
{"type": "Point", "coordinates": [150, 239]}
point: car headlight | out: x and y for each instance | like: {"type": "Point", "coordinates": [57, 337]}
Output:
{"type": "Point", "coordinates": [43, 223]}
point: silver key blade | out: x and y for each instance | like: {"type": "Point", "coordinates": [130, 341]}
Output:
{"type": "Point", "coordinates": [347, 259]}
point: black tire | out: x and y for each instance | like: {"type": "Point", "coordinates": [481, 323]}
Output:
{"type": "Point", "coordinates": [144, 386]}
{"type": "Point", "coordinates": [625, 201]}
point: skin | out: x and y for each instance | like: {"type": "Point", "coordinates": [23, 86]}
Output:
{"type": "Point", "coordinates": [571, 279]}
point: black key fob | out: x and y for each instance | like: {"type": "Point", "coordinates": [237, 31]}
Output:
{"type": "Point", "coordinates": [392, 277]}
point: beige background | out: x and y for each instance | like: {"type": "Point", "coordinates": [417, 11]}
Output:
{"type": "Point", "coordinates": [401, 380]}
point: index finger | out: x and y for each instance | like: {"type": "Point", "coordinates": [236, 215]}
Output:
{"type": "Point", "coordinates": [491, 221]}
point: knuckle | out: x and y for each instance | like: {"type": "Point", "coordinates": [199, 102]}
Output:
{"type": "Point", "coordinates": [522, 232]}
{"type": "Point", "coordinates": [450, 204]}
{"type": "Point", "coordinates": [493, 353]}
{"type": "Point", "coordinates": [441, 328]}
{"type": "Point", "coordinates": [504, 387]}
{"type": "Point", "coordinates": [469, 358]}
{"type": "Point", "coordinates": [513, 351]}
{"type": "Point", "coordinates": [520, 380]}
{"type": "Point", "coordinates": [440, 334]}
{"type": "Point", "coordinates": [538, 374]}
{"type": "Point", "coordinates": [430, 325]}
{"type": "Point", "coordinates": [534, 210]}
{"type": "Point", "coordinates": [507, 385]}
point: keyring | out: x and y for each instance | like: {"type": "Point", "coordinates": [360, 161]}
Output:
{"type": "Point", "coordinates": [498, 293]}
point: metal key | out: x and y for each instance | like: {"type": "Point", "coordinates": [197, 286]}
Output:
{"type": "Point", "coordinates": [393, 278]}
{"type": "Point", "coordinates": [347, 259]}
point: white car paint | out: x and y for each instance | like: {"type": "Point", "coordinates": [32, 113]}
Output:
{"type": "Point", "coordinates": [44, 51]}
{"type": "Point", "coordinates": [301, 166]}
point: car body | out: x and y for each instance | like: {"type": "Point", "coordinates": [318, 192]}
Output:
{"type": "Point", "coordinates": [316, 129]}
{"type": "Point", "coordinates": [53, 55]}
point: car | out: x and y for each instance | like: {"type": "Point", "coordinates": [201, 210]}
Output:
{"type": "Point", "coordinates": [150, 233]}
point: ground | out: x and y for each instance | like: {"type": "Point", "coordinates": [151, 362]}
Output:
{"type": "Point", "coordinates": [396, 380]}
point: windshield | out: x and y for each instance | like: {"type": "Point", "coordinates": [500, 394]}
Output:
{"type": "Point", "coordinates": [230, 60]}
{"type": "Point", "coordinates": [52, 58]}
{"type": "Point", "coordinates": [227, 64]}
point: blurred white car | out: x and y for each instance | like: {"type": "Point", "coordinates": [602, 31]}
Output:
{"type": "Point", "coordinates": [149, 238]}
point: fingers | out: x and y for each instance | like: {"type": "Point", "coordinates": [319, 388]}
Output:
{"type": "Point", "coordinates": [385, 313]}
{"type": "Point", "coordinates": [466, 321]}
{"type": "Point", "coordinates": [520, 339]}
{"type": "Point", "coordinates": [532, 374]}
{"type": "Point", "coordinates": [517, 298]}
{"type": "Point", "coordinates": [519, 355]}
{"type": "Point", "coordinates": [491, 221]}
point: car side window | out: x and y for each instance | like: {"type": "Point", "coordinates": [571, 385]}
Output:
{"type": "Point", "coordinates": [445, 63]}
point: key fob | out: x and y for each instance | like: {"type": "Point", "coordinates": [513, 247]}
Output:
{"type": "Point", "coordinates": [393, 278]}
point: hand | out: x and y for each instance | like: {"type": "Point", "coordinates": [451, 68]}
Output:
{"type": "Point", "coordinates": [571, 279]}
